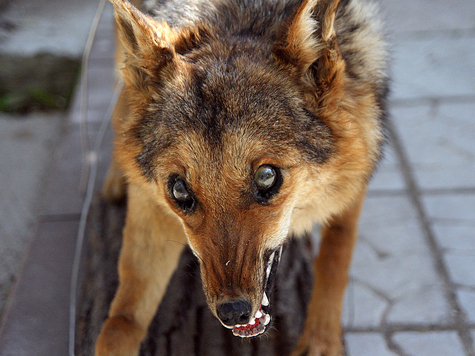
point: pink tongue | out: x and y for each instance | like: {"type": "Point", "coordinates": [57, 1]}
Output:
{"type": "Point", "coordinates": [248, 326]}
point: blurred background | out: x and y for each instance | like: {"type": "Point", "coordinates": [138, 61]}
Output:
{"type": "Point", "coordinates": [412, 290]}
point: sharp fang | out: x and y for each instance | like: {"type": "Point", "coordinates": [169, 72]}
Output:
{"type": "Point", "coordinates": [271, 258]}
{"type": "Point", "coordinates": [227, 326]}
{"type": "Point", "coordinates": [269, 264]}
{"type": "Point", "coordinates": [265, 301]}
{"type": "Point", "coordinates": [258, 314]}
{"type": "Point", "coordinates": [267, 319]}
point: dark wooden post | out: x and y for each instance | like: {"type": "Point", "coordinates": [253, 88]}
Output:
{"type": "Point", "coordinates": [184, 325]}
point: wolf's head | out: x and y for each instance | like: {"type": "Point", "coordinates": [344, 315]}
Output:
{"type": "Point", "coordinates": [243, 137]}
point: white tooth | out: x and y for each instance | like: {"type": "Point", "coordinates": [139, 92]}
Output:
{"type": "Point", "coordinates": [258, 314]}
{"type": "Point", "coordinates": [226, 326]}
{"type": "Point", "coordinates": [271, 258]}
{"type": "Point", "coordinates": [265, 301]}
{"type": "Point", "coordinates": [269, 264]}
{"type": "Point", "coordinates": [251, 322]}
{"type": "Point", "coordinates": [267, 319]}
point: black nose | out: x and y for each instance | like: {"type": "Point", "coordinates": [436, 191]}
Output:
{"type": "Point", "coordinates": [232, 313]}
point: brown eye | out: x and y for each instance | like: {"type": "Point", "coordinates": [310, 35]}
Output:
{"type": "Point", "coordinates": [265, 177]}
{"type": "Point", "coordinates": [182, 195]}
{"type": "Point", "coordinates": [179, 191]}
{"type": "Point", "coordinates": [267, 182]}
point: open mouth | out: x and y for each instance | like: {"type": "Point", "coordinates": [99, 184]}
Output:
{"type": "Point", "coordinates": [261, 320]}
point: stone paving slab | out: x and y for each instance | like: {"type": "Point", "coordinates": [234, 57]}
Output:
{"type": "Point", "coordinates": [37, 319]}
{"type": "Point", "coordinates": [48, 26]}
{"type": "Point", "coordinates": [26, 146]}
{"type": "Point", "coordinates": [388, 175]}
{"type": "Point", "coordinates": [100, 89]}
{"type": "Point", "coordinates": [41, 46]}
{"type": "Point", "coordinates": [63, 195]}
{"type": "Point", "coordinates": [367, 344]}
{"type": "Point", "coordinates": [438, 140]}
{"type": "Point", "coordinates": [453, 220]}
{"type": "Point", "coordinates": [406, 288]}
{"type": "Point", "coordinates": [467, 300]}
{"type": "Point", "coordinates": [104, 45]}
{"type": "Point", "coordinates": [405, 18]}
{"type": "Point", "coordinates": [435, 67]}
{"type": "Point", "coordinates": [441, 343]}
{"type": "Point", "coordinates": [452, 217]}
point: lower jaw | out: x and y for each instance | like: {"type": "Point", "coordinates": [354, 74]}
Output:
{"type": "Point", "coordinates": [260, 324]}
{"type": "Point", "coordinates": [257, 329]}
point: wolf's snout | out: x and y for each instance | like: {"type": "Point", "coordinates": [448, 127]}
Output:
{"type": "Point", "coordinates": [233, 313]}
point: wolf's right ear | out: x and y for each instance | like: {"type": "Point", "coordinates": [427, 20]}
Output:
{"type": "Point", "coordinates": [307, 43]}
{"type": "Point", "coordinates": [147, 43]}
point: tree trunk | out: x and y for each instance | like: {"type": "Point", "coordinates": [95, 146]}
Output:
{"type": "Point", "coordinates": [184, 326]}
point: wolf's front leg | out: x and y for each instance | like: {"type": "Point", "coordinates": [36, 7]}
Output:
{"type": "Point", "coordinates": [152, 244]}
{"type": "Point", "coordinates": [322, 330]}
{"type": "Point", "coordinates": [114, 188]}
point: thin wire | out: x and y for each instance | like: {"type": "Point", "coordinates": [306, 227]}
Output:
{"type": "Point", "coordinates": [94, 158]}
{"type": "Point", "coordinates": [84, 102]}
{"type": "Point", "coordinates": [90, 162]}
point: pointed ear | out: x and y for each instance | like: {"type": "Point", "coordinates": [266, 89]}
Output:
{"type": "Point", "coordinates": [147, 43]}
{"type": "Point", "coordinates": [308, 36]}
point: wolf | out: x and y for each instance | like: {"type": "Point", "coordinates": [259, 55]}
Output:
{"type": "Point", "coordinates": [242, 123]}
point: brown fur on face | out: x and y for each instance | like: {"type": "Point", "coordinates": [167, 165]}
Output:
{"type": "Point", "coordinates": [232, 85]}
{"type": "Point", "coordinates": [218, 89]}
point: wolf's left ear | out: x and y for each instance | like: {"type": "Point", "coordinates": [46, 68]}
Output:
{"type": "Point", "coordinates": [147, 43]}
{"type": "Point", "coordinates": [309, 40]}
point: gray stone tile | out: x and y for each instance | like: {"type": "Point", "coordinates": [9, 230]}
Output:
{"type": "Point", "coordinates": [442, 343]}
{"type": "Point", "coordinates": [424, 305]}
{"type": "Point", "coordinates": [103, 47]}
{"type": "Point", "coordinates": [100, 91]}
{"type": "Point", "coordinates": [363, 307]}
{"type": "Point", "coordinates": [461, 269]}
{"type": "Point", "coordinates": [59, 28]}
{"type": "Point", "coordinates": [36, 323]}
{"type": "Point", "coordinates": [451, 210]}
{"type": "Point", "coordinates": [439, 143]}
{"type": "Point", "coordinates": [453, 220]}
{"type": "Point", "coordinates": [63, 194]}
{"type": "Point", "coordinates": [454, 238]}
{"type": "Point", "coordinates": [393, 262]}
{"type": "Point", "coordinates": [389, 226]}
{"type": "Point", "coordinates": [434, 67]}
{"type": "Point", "coordinates": [466, 298]}
{"type": "Point", "coordinates": [388, 175]}
{"type": "Point", "coordinates": [26, 145]}
{"type": "Point", "coordinates": [406, 16]}
{"type": "Point", "coordinates": [367, 344]}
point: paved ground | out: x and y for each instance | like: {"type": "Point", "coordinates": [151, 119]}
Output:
{"type": "Point", "coordinates": [412, 291]}
{"type": "Point", "coordinates": [39, 42]}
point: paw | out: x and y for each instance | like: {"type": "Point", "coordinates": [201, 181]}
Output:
{"type": "Point", "coordinates": [311, 344]}
{"type": "Point", "coordinates": [114, 189]}
{"type": "Point", "coordinates": [119, 337]}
